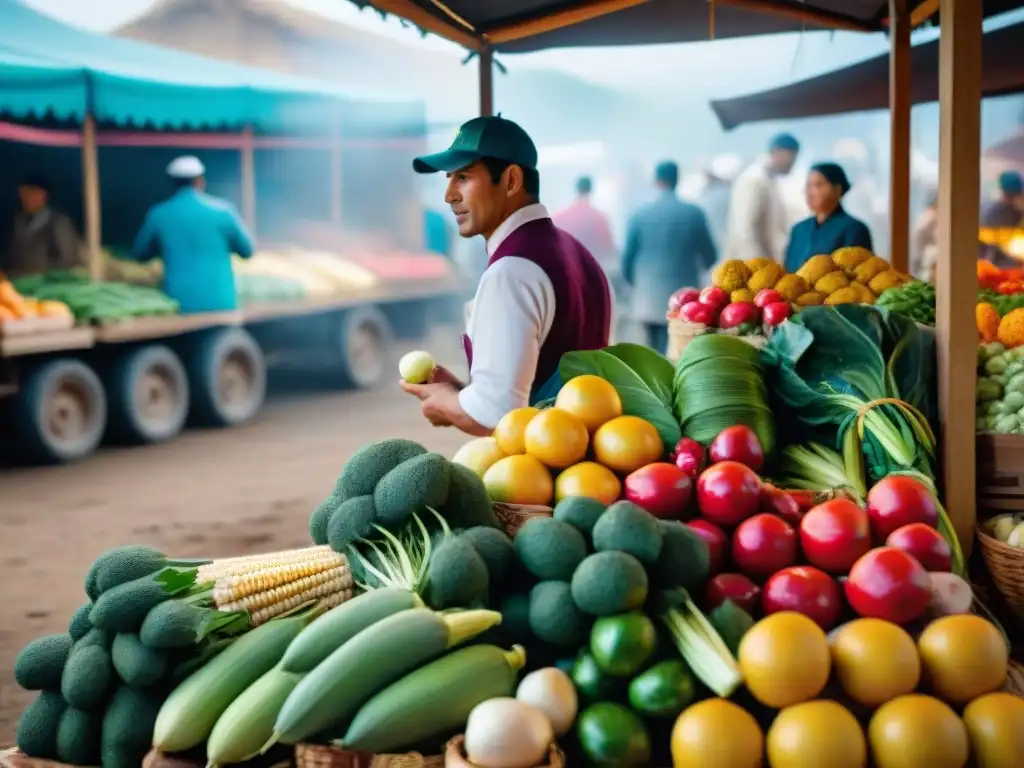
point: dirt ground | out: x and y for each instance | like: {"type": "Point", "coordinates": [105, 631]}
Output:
{"type": "Point", "coordinates": [217, 493]}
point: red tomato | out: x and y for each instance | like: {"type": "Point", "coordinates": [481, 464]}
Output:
{"type": "Point", "coordinates": [781, 503]}
{"type": "Point", "coordinates": [714, 297]}
{"type": "Point", "coordinates": [775, 314]}
{"type": "Point", "coordinates": [717, 541]}
{"type": "Point", "coordinates": [695, 312]}
{"type": "Point", "coordinates": [805, 590]}
{"type": "Point", "coordinates": [899, 500]}
{"type": "Point", "coordinates": [737, 313]}
{"type": "Point", "coordinates": [834, 535]}
{"type": "Point", "coordinates": [728, 493]}
{"type": "Point", "coordinates": [924, 544]}
{"type": "Point", "coordinates": [763, 544]}
{"type": "Point", "coordinates": [888, 584]}
{"type": "Point", "coordinates": [682, 296]}
{"type": "Point", "coordinates": [738, 443]}
{"type": "Point", "coordinates": [735, 587]}
{"type": "Point", "coordinates": [689, 456]}
{"type": "Point", "coordinates": [662, 489]}
{"type": "Point", "coordinates": [767, 296]}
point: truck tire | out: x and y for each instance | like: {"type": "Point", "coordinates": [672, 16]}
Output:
{"type": "Point", "coordinates": [227, 377]}
{"type": "Point", "coordinates": [148, 392]}
{"type": "Point", "coordinates": [364, 342]}
{"type": "Point", "coordinates": [60, 414]}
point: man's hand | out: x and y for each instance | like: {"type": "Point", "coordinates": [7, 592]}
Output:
{"type": "Point", "coordinates": [441, 407]}
{"type": "Point", "coordinates": [441, 375]}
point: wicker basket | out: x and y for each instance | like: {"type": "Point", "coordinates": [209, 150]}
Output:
{"type": "Point", "coordinates": [320, 756]}
{"type": "Point", "coordinates": [514, 516]}
{"type": "Point", "coordinates": [1006, 567]}
{"type": "Point", "coordinates": [1015, 679]}
{"type": "Point", "coordinates": [681, 333]}
{"type": "Point", "coordinates": [455, 756]}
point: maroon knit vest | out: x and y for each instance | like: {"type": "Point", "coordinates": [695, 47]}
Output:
{"type": "Point", "coordinates": [583, 304]}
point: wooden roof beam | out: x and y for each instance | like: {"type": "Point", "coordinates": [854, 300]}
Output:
{"type": "Point", "coordinates": [802, 12]}
{"type": "Point", "coordinates": [566, 17]}
{"type": "Point", "coordinates": [414, 14]}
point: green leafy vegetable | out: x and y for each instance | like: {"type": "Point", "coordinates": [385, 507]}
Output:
{"type": "Point", "coordinates": [655, 370]}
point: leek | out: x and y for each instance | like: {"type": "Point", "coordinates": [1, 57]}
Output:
{"type": "Point", "coordinates": [699, 643]}
{"type": "Point", "coordinates": [815, 467]}
{"type": "Point", "coordinates": [401, 561]}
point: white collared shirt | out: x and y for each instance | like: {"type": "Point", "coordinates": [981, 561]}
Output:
{"type": "Point", "coordinates": [758, 226]}
{"type": "Point", "coordinates": [510, 318]}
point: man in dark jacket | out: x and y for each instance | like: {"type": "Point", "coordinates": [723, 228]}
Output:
{"type": "Point", "coordinates": [42, 238]}
{"type": "Point", "coordinates": [668, 247]}
{"type": "Point", "coordinates": [1004, 213]}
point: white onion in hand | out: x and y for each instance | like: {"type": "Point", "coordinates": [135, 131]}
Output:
{"type": "Point", "coordinates": [416, 367]}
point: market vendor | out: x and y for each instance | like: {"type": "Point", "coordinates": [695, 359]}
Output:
{"type": "Point", "coordinates": [1004, 213]}
{"type": "Point", "coordinates": [543, 293]}
{"type": "Point", "coordinates": [42, 238]}
{"type": "Point", "coordinates": [195, 234]}
{"type": "Point", "coordinates": [829, 227]}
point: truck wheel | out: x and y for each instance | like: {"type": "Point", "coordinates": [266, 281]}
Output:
{"type": "Point", "coordinates": [60, 413]}
{"type": "Point", "coordinates": [365, 340]}
{"type": "Point", "coordinates": [148, 394]}
{"type": "Point", "coordinates": [228, 377]}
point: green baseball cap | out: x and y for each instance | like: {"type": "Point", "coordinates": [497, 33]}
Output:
{"type": "Point", "coordinates": [479, 138]}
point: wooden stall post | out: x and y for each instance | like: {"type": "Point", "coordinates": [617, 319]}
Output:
{"type": "Point", "coordinates": [956, 279]}
{"type": "Point", "coordinates": [248, 178]}
{"type": "Point", "coordinates": [899, 142]}
{"type": "Point", "coordinates": [91, 199]}
{"type": "Point", "coordinates": [486, 57]}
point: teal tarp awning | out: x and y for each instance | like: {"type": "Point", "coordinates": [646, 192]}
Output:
{"type": "Point", "coordinates": [51, 69]}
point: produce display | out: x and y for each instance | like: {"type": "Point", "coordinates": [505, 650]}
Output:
{"type": "Point", "coordinates": [16, 308]}
{"type": "Point", "coordinates": [96, 301]}
{"type": "Point", "coordinates": [1000, 390]}
{"type": "Point", "coordinates": [299, 273]}
{"type": "Point", "coordinates": [915, 299]}
{"type": "Point", "coordinates": [1007, 528]}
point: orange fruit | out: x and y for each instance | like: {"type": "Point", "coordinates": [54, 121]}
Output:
{"type": "Point", "coordinates": [627, 443]}
{"type": "Point", "coordinates": [785, 659]}
{"type": "Point", "coordinates": [875, 661]}
{"type": "Point", "coordinates": [916, 731]}
{"type": "Point", "coordinates": [963, 657]}
{"type": "Point", "coordinates": [592, 399]}
{"type": "Point", "coordinates": [479, 455]}
{"type": "Point", "coordinates": [995, 725]}
{"type": "Point", "coordinates": [590, 479]}
{"type": "Point", "coordinates": [816, 733]}
{"type": "Point", "coordinates": [519, 480]}
{"type": "Point", "coordinates": [511, 430]}
{"type": "Point", "coordinates": [557, 438]}
{"type": "Point", "coordinates": [716, 733]}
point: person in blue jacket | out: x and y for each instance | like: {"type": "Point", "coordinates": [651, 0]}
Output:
{"type": "Point", "coordinates": [195, 234]}
{"type": "Point", "coordinates": [830, 227]}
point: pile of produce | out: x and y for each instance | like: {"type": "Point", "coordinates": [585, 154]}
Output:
{"type": "Point", "coordinates": [261, 289]}
{"type": "Point", "coordinates": [1007, 528]}
{"type": "Point", "coordinates": [1000, 390]}
{"type": "Point", "coordinates": [317, 274]}
{"type": "Point", "coordinates": [15, 307]}
{"type": "Point", "coordinates": [713, 310]}
{"type": "Point", "coordinates": [915, 300]}
{"type": "Point", "coordinates": [97, 301]}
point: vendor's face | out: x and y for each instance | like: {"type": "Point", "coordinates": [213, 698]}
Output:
{"type": "Point", "coordinates": [476, 200]}
{"type": "Point", "coordinates": [32, 198]}
{"type": "Point", "coordinates": [822, 194]}
{"type": "Point", "coordinates": [783, 160]}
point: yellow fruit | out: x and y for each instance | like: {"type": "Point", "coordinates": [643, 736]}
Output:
{"type": "Point", "coordinates": [809, 299]}
{"type": "Point", "coordinates": [511, 430]}
{"type": "Point", "coordinates": [850, 257]}
{"type": "Point", "coordinates": [716, 733]}
{"type": "Point", "coordinates": [588, 478]}
{"type": "Point", "coordinates": [742, 295]}
{"type": "Point", "coordinates": [831, 282]}
{"type": "Point", "coordinates": [759, 263]}
{"type": "Point", "coordinates": [591, 399]}
{"type": "Point", "coordinates": [479, 454]}
{"type": "Point", "coordinates": [916, 731]}
{"type": "Point", "coordinates": [731, 275]}
{"type": "Point", "coordinates": [995, 726]}
{"type": "Point", "coordinates": [627, 443]}
{"type": "Point", "coordinates": [556, 438]}
{"type": "Point", "coordinates": [791, 287]}
{"type": "Point", "coordinates": [519, 480]}
{"type": "Point", "coordinates": [963, 657]}
{"type": "Point", "coordinates": [785, 659]}
{"type": "Point", "coordinates": [816, 268]}
{"type": "Point", "coordinates": [765, 276]}
{"type": "Point", "coordinates": [875, 661]}
{"type": "Point", "coordinates": [816, 733]}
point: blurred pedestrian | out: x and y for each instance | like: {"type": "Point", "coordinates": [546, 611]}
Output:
{"type": "Point", "coordinates": [590, 226]}
{"type": "Point", "coordinates": [668, 246]}
{"type": "Point", "coordinates": [829, 227]}
{"type": "Point", "coordinates": [925, 241]}
{"type": "Point", "coordinates": [758, 223]}
{"type": "Point", "coordinates": [720, 175]}
{"type": "Point", "coordinates": [1004, 213]}
{"type": "Point", "coordinates": [42, 238]}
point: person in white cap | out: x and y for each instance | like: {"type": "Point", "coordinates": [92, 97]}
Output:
{"type": "Point", "coordinates": [195, 234]}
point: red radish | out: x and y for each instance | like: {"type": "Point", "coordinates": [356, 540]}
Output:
{"type": "Point", "coordinates": [737, 313]}
{"type": "Point", "coordinates": [775, 314]}
{"type": "Point", "coordinates": [834, 535]}
{"type": "Point", "coordinates": [717, 541]}
{"type": "Point", "coordinates": [735, 587]}
{"type": "Point", "coordinates": [805, 590]}
{"type": "Point", "coordinates": [767, 296]}
{"type": "Point", "coordinates": [714, 297]}
{"type": "Point", "coordinates": [695, 312]}
{"type": "Point", "coordinates": [899, 500]}
{"type": "Point", "coordinates": [661, 488]}
{"type": "Point", "coordinates": [889, 584]}
{"type": "Point", "coordinates": [728, 493]}
{"type": "Point", "coordinates": [763, 544]}
{"type": "Point", "coordinates": [951, 595]}
{"type": "Point", "coordinates": [781, 503]}
{"type": "Point", "coordinates": [737, 443]}
{"type": "Point", "coordinates": [925, 544]}
{"type": "Point", "coordinates": [689, 457]}
{"type": "Point", "coordinates": [681, 297]}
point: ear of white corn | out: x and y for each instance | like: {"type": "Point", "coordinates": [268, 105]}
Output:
{"type": "Point", "coordinates": [322, 594]}
{"type": "Point", "coordinates": [313, 557]}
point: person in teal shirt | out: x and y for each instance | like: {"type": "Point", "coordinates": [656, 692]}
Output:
{"type": "Point", "coordinates": [195, 234]}
{"type": "Point", "coordinates": [830, 227]}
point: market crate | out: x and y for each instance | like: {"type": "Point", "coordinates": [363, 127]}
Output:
{"type": "Point", "coordinates": [681, 333]}
{"type": "Point", "coordinates": [513, 516]}
{"type": "Point", "coordinates": [320, 756]}
{"type": "Point", "coordinates": [1000, 474]}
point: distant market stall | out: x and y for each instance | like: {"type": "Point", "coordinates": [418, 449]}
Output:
{"type": "Point", "coordinates": [104, 353]}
